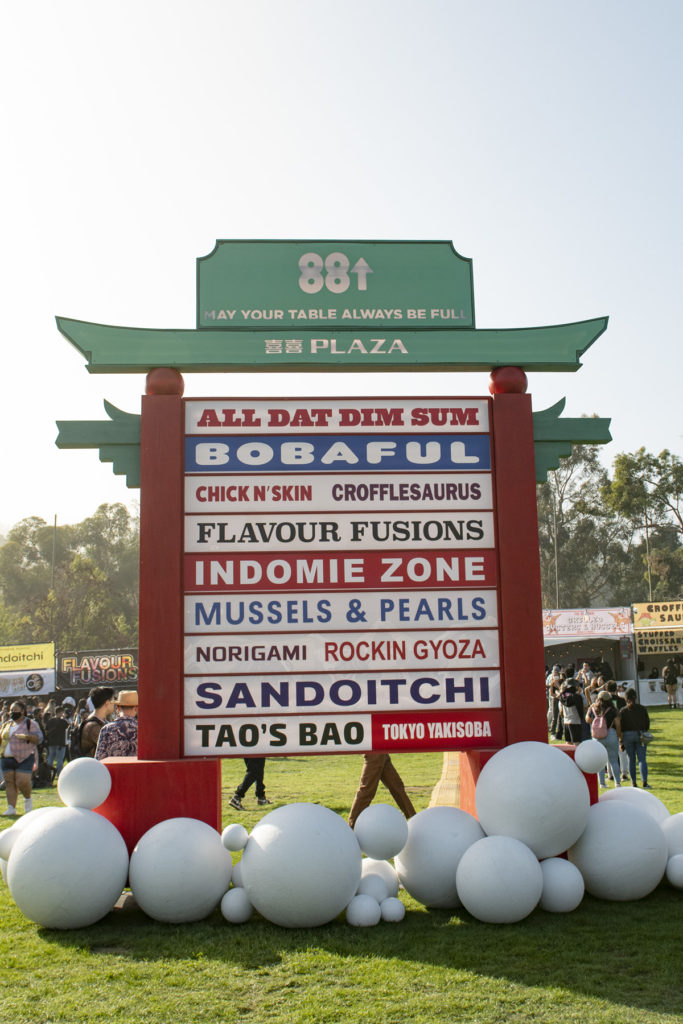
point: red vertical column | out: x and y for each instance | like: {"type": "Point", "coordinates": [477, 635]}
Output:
{"type": "Point", "coordinates": [519, 564]}
{"type": "Point", "coordinates": [161, 545]}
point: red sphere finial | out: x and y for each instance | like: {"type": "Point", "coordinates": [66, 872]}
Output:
{"type": "Point", "coordinates": [508, 380]}
{"type": "Point", "coordinates": [164, 381]}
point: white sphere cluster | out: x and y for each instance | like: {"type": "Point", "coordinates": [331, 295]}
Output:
{"type": "Point", "coordinates": [302, 866]}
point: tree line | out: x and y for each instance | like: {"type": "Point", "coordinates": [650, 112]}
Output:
{"type": "Point", "coordinates": [605, 539]}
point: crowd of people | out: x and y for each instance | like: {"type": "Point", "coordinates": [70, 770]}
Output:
{"type": "Point", "coordinates": [588, 704]}
{"type": "Point", "coordinates": [38, 737]}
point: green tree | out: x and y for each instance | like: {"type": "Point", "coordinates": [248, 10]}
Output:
{"type": "Point", "coordinates": [583, 548]}
{"type": "Point", "coordinates": [76, 585]}
{"type": "Point", "coordinates": [647, 491]}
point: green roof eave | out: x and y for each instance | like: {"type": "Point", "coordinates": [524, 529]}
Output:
{"type": "Point", "coordinates": [111, 349]}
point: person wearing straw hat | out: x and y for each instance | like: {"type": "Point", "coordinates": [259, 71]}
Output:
{"type": "Point", "coordinates": [120, 738]}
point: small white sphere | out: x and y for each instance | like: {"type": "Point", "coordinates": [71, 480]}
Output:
{"type": "Point", "coordinates": [674, 870]}
{"type": "Point", "coordinates": [381, 831]}
{"type": "Point", "coordinates": [563, 886]}
{"type": "Point", "coordinates": [301, 866]}
{"type": "Point", "coordinates": [373, 885]}
{"type": "Point", "coordinates": [363, 912]}
{"type": "Point", "coordinates": [622, 852]}
{"type": "Point", "coordinates": [9, 837]}
{"type": "Point", "coordinates": [499, 880]}
{"type": "Point", "coordinates": [235, 906]}
{"type": "Point", "coordinates": [67, 869]}
{"type": "Point", "coordinates": [672, 828]}
{"type": "Point", "coordinates": [640, 798]}
{"type": "Point", "coordinates": [236, 878]}
{"type": "Point", "coordinates": [590, 756]}
{"type": "Point", "coordinates": [392, 910]}
{"type": "Point", "coordinates": [179, 870]}
{"type": "Point", "coordinates": [384, 870]}
{"type": "Point", "coordinates": [84, 782]}
{"type": "Point", "coordinates": [234, 837]}
{"type": "Point", "coordinates": [535, 793]}
{"type": "Point", "coordinates": [437, 839]}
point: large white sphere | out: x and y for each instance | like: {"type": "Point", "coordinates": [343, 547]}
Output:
{"type": "Point", "coordinates": [640, 798]}
{"type": "Point", "coordinates": [67, 869]}
{"type": "Point", "coordinates": [234, 837]}
{"type": "Point", "coordinates": [672, 828]}
{"type": "Point", "coordinates": [384, 870]}
{"type": "Point", "coordinates": [392, 910]}
{"type": "Point", "coordinates": [499, 880]}
{"type": "Point", "coordinates": [674, 870]}
{"type": "Point", "coordinates": [535, 793]}
{"type": "Point", "coordinates": [9, 837]}
{"type": "Point", "coordinates": [363, 912]}
{"type": "Point", "coordinates": [373, 885]}
{"type": "Point", "coordinates": [563, 886]}
{"type": "Point", "coordinates": [84, 782]}
{"type": "Point", "coordinates": [301, 866]}
{"type": "Point", "coordinates": [622, 853]}
{"type": "Point", "coordinates": [381, 831]}
{"type": "Point", "coordinates": [179, 870]}
{"type": "Point", "coordinates": [235, 906]}
{"type": "Point", "coordinates": [437, 839]}
{"type": "Point", "coordinates": [590, 756]}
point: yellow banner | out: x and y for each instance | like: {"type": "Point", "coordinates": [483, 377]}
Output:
{"type": "Point", "coordinates": [18, 657]}
{"type": "Point", "coordinates": [662, 615]}
{"type": "Point", "coordinates": [659, 641]}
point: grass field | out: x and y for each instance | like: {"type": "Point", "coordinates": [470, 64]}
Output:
{"type": "Point", "coordinates": [606, 962]}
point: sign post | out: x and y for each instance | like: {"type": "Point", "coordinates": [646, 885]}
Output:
{"type": "Point", "coordinates": [331, 575]}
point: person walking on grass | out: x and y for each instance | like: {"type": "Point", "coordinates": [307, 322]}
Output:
{"type": "Point", "coordinates": [18, 744]}
{"type": "Point", "coordinates": [254, 776]}
{"type": "Point", "coordinates": [634, 719]}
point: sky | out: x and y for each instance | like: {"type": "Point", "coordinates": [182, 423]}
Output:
{"type": "Point", "coordinates": [542, 138]}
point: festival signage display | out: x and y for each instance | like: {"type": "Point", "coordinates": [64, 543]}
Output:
{"type": "Point", "coordinates": [659, 641]}
{"type": "Point", "coordinates": [85, 669]}
{"type": "Point", "coordinates": [340, 577]}
{"type": "Point", "coordinates": [27, 670]}
{"type": "Point", "coordinates": [586, 622]}
{"type": "Point", "coordinates": [665, 614]}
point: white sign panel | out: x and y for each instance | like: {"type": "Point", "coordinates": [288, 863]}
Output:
{"type": "Point", "coordinates": [301, 652]}
{"type": "Point", "coordinates": [326, 492]}
{"type": "Point", "coordinates": [333, 611]}
{"type": "Point", "coordinates": [324, 693]}
{"type": "Point", "coordinates": [345, 531]}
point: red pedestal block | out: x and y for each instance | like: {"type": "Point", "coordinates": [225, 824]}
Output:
{"type": "Point", "coordinates": [143, 793]}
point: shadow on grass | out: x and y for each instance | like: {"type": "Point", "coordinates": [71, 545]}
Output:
{"type": "Point", "coordinates": [625, 953]}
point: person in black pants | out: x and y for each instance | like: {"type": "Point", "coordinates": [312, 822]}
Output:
{"type": "Point", "coordinates": [254, 775]}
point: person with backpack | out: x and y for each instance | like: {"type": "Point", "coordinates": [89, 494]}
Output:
{"type": "Point", "coordinates": [605, 727]}
{"type": "Point", "coordinates": [572, 711]}
{"type": "Point", "coordinates": [103, 701]}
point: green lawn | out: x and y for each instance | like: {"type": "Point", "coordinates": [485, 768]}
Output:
{"type": "Point", "coordinates": [606, 962]}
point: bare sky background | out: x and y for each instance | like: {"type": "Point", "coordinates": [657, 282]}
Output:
{"type": "Point", "coordinates": [542, 138]}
